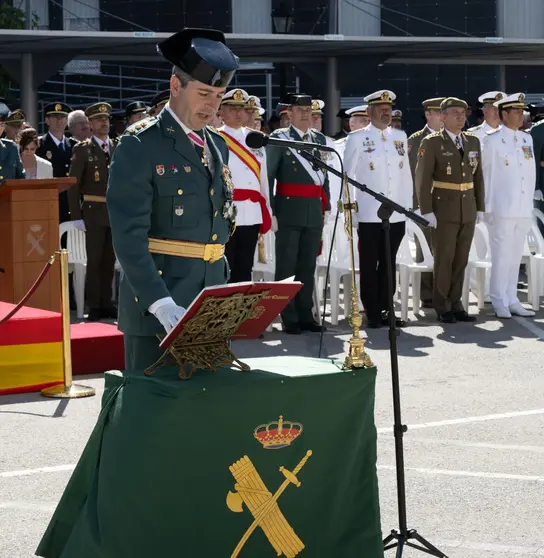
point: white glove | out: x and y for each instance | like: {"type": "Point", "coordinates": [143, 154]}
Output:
{"type": "Point", "coordinates": [539, 196]}
{"type": "Point", "coordinates": [79, 225]}
{"type": "Point", "coordinates": [432, 220]}
{"type": "Point", "coordinates": [327, 216]}
{"type": "Point", "coordinates": [479, 217]}
{"type": "Point", "coordinates": [488, 218]}
{"type": "Point", "coordinates": [274, 224]}
{"type": "Point", "coordinates": [417, 211]}
{"type": "Point", "coordinates": [169, 315]}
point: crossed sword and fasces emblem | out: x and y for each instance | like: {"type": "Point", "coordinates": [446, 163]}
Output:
{"type": "Point", "coordinates": [251, 491]}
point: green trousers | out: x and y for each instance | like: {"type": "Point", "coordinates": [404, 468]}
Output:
{"type": "Point", "coordinates": [297, 249]}
{"type": "Point", "coordinates": [141, 351]}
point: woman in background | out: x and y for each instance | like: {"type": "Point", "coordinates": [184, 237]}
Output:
{"type": "Point", "coordinates": [35, 167]}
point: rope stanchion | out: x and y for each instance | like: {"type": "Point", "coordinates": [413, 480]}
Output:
{"type": "Point", "coordinates": [68, 390]}
{"type": "Point", "coordinates": [32, 290]}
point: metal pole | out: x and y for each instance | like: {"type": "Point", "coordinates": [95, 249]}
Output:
{"type": "Point", "coordinates": [28, 15]}
{"type": "Point", "coordinates": [269, 93]}
{"type": "Point", "coordinates": [332, 97]}
{"type": "Point", "coordinates": [502, 77]}
{"type": "Point", "coordinates": [333, 17]}
{"type": "Point", "coordinates": [29, 95]}
{"type": "Point", "coordinates": [68, 390]}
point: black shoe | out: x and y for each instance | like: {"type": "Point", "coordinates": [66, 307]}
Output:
{"type": "Point", "coordinates": [374, 324]}
{"type": "Point", "coordinates": [463, 316]}
{"type": "Point", "coordinates": [292, 329]}
{"type": "Point", "coordinates": [109, 313]}
{"type": "Point", "coordinates": [95, 315]}
{"type": "Point", "coordinates": [447, 318]}
{"type": "Point", "coordinates": [314, 327]}
{"type": "Point", "coordinates": [427, 303]}
{"type": "Point", "coordinates": [398, 321]}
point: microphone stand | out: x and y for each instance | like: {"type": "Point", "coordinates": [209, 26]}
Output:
{"type": "Point", "coordinates": [403, 536]}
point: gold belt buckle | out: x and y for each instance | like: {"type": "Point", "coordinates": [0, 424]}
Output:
{"type": "Point", "coordinates": [212, 252]}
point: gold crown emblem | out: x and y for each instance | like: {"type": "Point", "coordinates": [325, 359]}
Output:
{"type": "Point", "coordinates": [521, 98]}
{"type": "Point", "coordinates": [277, 434]}
{"type": "Point", "coordinates": [499, 96]}
{"type": "Point", "coordinates": [58, 107]}
{"type": "Point", "coordinates": [397, 113]}
{"type": "Point", "coordinates": [385, 96]}
{"type": "Point", "coordinates": [103, 108]}
{"type": "Point", "coordinates": [238, 95]}
{"type": "Point", "coordinates": [315, 105]}
{"type": "Point", "coordinates": [252, 103]}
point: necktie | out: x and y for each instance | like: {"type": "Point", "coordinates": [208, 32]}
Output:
{"type": "Point", "coordinates": [61, 145]}
{"type": "Point", "coordinates": [106, 153]}
{"type": "Point", "coordinates": [459, 145]}
{"type": "Point", "coordinates": [306, 137]}
{"type": "Point", "coordinates": [200, 146]}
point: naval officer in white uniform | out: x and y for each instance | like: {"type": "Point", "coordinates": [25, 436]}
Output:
{"type": "Point", "coordinates": [510, 177]}
{"type": "Point", "coordinates": [491, 114]}
{"type": "Point", "coordinates": [378, 157]}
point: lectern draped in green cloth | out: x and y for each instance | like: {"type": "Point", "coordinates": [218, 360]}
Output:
{"type": "Point", "coordinates": [278, 461]}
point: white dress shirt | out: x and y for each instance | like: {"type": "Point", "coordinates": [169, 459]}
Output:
{"type": "Point", "coordinates": [509, 173]}
{"type": "Point", "coordinates": [57, 141]}
{"type": "Point", "coordinates": [379, 159]}
{"type": "Point", "coordinates": [101, 144]}
{"type": "Point", "coordinates": [247, 212]}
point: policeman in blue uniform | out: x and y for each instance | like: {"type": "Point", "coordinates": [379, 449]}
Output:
{"type": "Point", "coordinates": [170, 197]}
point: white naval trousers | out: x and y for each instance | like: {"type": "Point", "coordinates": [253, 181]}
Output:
{"type": "Point", "coordinates": [507, 239]}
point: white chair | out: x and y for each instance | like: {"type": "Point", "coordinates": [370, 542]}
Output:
{"type": "Point", "coordinates": [533, 257]}
{"type": "Point", "coordinates": [410, 270]}
{"type": "Point", "coordinates": [479, 260]}
{"type": "Point", "coordinates": [77, 260]}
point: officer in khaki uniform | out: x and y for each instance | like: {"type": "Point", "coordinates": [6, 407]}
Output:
{"type": "Point", "coordinates": [451, 197]}
{"type": "Point", "coordinates": [433, 125]}
{"type": "Point", "coordinates": [87, 202]}
{"type": "Point", "coordinates": [170, 197]}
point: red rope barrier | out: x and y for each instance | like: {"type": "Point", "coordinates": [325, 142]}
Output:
{"type": "Point", "coordinates": [32, 290]}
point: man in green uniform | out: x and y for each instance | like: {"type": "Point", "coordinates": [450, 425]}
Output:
{"type": "Point", "coordinates": [87, 203]}
{"type": "Point", "coordinates": [537, 133]}
{"type": "Point", "coordinates": [299, 202]}
{"type": "Point", "coordinates": [170, 197]}
{"type": "Point", "coordinates": [433, 125]}
{"type": "Point", "coordinates": [10, 160]}
{"type": "Point", "coordinates": [450, 191]}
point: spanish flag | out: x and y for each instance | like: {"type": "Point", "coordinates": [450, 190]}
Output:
{"type": "Point", "coordinates": [30, 350]}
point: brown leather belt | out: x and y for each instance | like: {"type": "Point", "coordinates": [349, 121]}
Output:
{"type": "Point", "coordinates": [207, 252]}
{"type": "Point", "coordinates": [463, 187]}
{"type": "Point", "coordinates": [93, 198]}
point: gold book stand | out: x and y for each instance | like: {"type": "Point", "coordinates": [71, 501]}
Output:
{"type": "Point", "coordinates": [204, 341]}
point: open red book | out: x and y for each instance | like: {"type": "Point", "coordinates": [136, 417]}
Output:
{"type": "Point", "coordinates": [279, 295]}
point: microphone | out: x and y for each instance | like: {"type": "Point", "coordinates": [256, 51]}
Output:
{"type": "Point", "coordinates": [256, 140]}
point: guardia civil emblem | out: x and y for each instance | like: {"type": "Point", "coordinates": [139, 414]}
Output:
{"type": "Point", "coordinates": [160, 169]}
{"type": "Point", "coordinates": [251, 490]}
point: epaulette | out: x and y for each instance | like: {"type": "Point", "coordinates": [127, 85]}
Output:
{"type": "Point", "coordinates": [84, 143]}
{"type": "Point", "coordinates": [7, 141]}
{"type": "Point", "coordinates": [416, 134]}
{"type": "Point", "coordinates": [215, 131]}
{"type": "Point", "coordinates": [434, 135]}
{"type": "Point", "coordinates": [280, 130]}
{"type": "Point", "coordinates": [494, 131]}
{"type": "Point", "coordinates": [138, 127]}
{"type": "Point", "coordinates": [469, 133]}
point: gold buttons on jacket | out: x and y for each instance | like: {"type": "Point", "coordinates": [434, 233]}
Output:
{"type": "Point", "coordinates": [180, 192]}
{"type": "Point", "coordinates": [214, 237]}
{"type": "Point", "coordinates": [159, 271]}
{"type": "Point", "coordinates": [212, 192]}
{"type": "Point", "coordinates": [215, 213]}
{"type": "Point", "coordinates": [136, 299]}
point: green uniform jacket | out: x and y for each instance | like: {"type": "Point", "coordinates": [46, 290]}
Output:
{"type": "Point", "coordinates": [414, 142]}
{"type": "Point", "coordinates": [537, 132]}
{"type": "Point", "coordinates": [283, 166]}
{"type": "Point", "coordinates": [90, 167]}
{"type": "Point", "coordinates": [440, 161]}
{"type": "Point", "coordinates": [10, 161]}
{"type": "Point", "coordinates": [158, 187]}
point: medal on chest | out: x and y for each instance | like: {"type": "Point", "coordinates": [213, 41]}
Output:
{"type": "Point", "coordinates": [96, 175]}
{"type": "Point", "coordinates": [448, 169]}
{"type": "Point", "coordinates": [371, 165]}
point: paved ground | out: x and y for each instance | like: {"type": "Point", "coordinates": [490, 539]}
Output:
{"type": "Point", "coordinates": [473, 397]}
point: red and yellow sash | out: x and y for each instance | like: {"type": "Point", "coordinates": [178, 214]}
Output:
{"type": "Point", "coordinates": [243, 154]}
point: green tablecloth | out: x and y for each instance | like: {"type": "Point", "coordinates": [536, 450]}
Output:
{"type": "Point", "coordinates": [154, 477]}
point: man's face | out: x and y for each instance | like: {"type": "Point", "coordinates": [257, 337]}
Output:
{"type": "Point", "coordinates": [301, 117]}
{"type": "Point", "coordinates": [317, 122]}
{"type": "Point", "coordinates": [454, 118]}
{"type": "Point", "coordinates": [380, 115]}
{"type": "Point", "coordinates": [196, 103]}
{"type": "Point", "coordinates": [490, 112]}
{"type": "Point", "coordinates": [358, 122]}
{"type": "Point", "coordinates": [2, 127]}
{"type": "Point", "coordinates": [81, 130]}
{"type": "Point", "coordinates": [13, 129]}
{"type": "Point", "coordinates": [100, 126]}
{"type": "Point", "coordinates": [233, 116]}
{"type": "Point", "coordinates": [434, 119]}
{"type": "Point", "coordinates": [513, 118]}
{"type": "Point", "coordinates": [397, 124]}
{"type": "Point", "coordinates": [285, 120]}
{"type": "Point", "coordinates": [257, 124]}
{"type": "Point", "coordinates": [136, 117]}
{"type": "Point", "coordinates": [56, 124]}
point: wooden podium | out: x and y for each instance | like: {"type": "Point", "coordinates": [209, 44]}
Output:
{"type": "Point", "coordinates": [29, 236]}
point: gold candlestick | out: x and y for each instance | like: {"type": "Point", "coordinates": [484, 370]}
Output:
{"type": "Point", "coordinates": [356, 357]}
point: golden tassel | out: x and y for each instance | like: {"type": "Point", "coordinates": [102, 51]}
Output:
{"type": "Point", "coordinates": [262, 253]}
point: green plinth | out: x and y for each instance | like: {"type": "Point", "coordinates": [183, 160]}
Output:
{"type": "Point", "coordinates": [155, 476]}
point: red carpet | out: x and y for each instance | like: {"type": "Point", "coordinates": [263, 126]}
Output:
{"type": "Point", "coordinates": [96, 348]}
{"type": "Point", "coordinates": [31, 349]}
